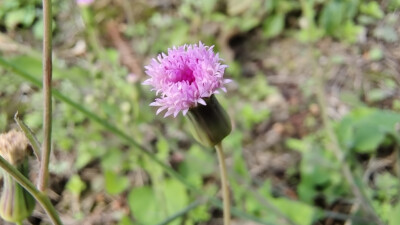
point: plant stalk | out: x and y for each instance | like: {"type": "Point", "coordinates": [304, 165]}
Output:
{"type": "Point", "coordinates": [224, 184]}
{"type": "Point", "coordinates": [47, 111]}
{"type": "Point", "coordinates": [39, 196]}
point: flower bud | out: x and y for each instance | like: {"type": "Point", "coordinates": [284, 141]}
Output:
{"type": "Point", "coordinates": [16, 204]}
{"type": "Point", "coordinates": [210, 122]}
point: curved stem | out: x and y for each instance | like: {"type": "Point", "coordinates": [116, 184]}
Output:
{"type": "Point", "coordinates": [47, 74]}
{"type": "Point", "coordinates": [39, 196]}
{"type": "Point", "coordinates": [225, 185]}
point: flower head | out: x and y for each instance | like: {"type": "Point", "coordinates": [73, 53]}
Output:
{"type": "Point", "coordinates": [14, 146]}
{"type": "Point", "coordinates": [184, 76]}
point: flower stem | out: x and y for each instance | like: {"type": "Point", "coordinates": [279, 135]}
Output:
{"type": "Point", "coordinates": [225, 185]}
{"type": "Point", "coordinates": [47, 74]}
{"type": "Point", "coordinates": [39, 196]}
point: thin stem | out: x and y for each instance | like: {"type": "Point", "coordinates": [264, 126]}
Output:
{"type": "Point", "coordinates": [225, 185]}
{"type": "Point", "coordinates": [47, 75]}
{"type": "Point", "coordinates": [39, 196]}
{"type": "Point", "coordinates": [337, 151]}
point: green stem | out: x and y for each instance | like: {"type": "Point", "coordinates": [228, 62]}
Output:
{"type": "Point", "coordinates": [39, 196]}
{"type": "Point", "coordinates": [225, 185]}
{"type": "Point", "coordinates": [47, 76]}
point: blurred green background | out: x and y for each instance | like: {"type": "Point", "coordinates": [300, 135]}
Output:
{"type": "Point", "coordinates": [315, 91]}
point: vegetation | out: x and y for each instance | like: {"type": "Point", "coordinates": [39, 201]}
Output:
{"type": "Point", "coordinates": [314, 104]}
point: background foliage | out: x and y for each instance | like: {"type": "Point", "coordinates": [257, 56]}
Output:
{"type": "Point", "coordinates": [310, 76]}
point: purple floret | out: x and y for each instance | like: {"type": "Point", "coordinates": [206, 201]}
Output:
{"type": "Point", "coordinates": [184, 76]}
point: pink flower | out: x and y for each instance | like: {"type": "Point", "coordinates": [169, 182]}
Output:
{"type": "Point", "coordinates": [84, 2]}
{"type": "Point", "coordinates": [184, 76]}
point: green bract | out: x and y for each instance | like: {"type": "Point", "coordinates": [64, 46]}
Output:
{"type": "Point", "coordinates": [16, 204]}
{"type": "Point", "coordinates": [210, 122]}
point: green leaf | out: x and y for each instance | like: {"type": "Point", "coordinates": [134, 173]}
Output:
{"type": "Point", "coordinates": [198, 163]}
{"type": "Point", "coordinates": [207, 6]}
{"type": "Point", "coordinates": [163, 148]}
{"type": "Point", "coordinates": [384, 120]}
{"type": "Point", "coordinates": [31, 64]}
{"type": "Point", "coordinates": [75, 185]}
{"type": "Point", "coordinates": [175, 197]}
{"type": "Point", "coordinates": [248, 24]}
{"type": "Point", "coordinates": [23, 16]}
{"type": "Point", "coordinates": [148, 209]}
{"type": "Point", "coordinates": [388, 186]}
{"type": "Point", "coordinates": [349, 32]}
{"type": "Point", "coordinates": [252, 205]}
{"type": "Point", "coordinates": [115, 184]}
{"type": "Point", "coordinates": [7, 6]}
{"type": "Point", "coordinates": [112, 160]}
{"type": "Point", "coordinates": [345, 133]}
{"type": "Point", "coordinates": [144, 206]}
{"type": "Point", "coordinates": [125, 221]}
{"type": "Point", "coordinates": [300, 213]}
{"type": "Point", "coordinates": [337, 20]}
{"type": "Point", "coordinates": [331, 16]}
{"type": "Point", "coordinates": [298, 145]}
{"type": "Point", "coordinates": [375, 54]}
{"type": "Point", "coordinates": [200, 214]}
{"type": "Point", "coordinates": [367, 138]}
{"type": "Point", "coordinates": [394, 218]}
{"type": "Point", "coordinates": [394, 5]}
{"type": "Point", "coordinates": [371, 127]}
{"type": "Point", "coordinates": [252, 116]}
{"type": "Point", "coordinates": [273, 25]}
{"type": "Point", "coordinates": [373, 9]}
{"type": "Point", "coordinates": [396, 105]}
